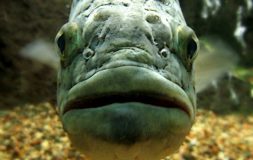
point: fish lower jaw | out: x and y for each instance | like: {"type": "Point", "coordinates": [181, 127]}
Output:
{"type": "Point", "coordinates": [149, 150]}
{"type": "Point", "coordinates": [127, 84]}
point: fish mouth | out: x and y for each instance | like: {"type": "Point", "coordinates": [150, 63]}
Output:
{"type": "Point", "coordinates": [144, 98]}
{"type": "Point", "coordinates": [127, 84]}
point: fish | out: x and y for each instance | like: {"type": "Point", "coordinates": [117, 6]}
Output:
{"type": "Point", "coordinates": [126, 84]}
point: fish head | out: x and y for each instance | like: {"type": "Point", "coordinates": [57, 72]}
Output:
{"type": "Point", "coordinates": [125, 85]}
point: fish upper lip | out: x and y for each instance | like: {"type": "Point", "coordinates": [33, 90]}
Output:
{"type": "Point", "coordinates": [99, 101]}
{"type": "Point", "coordinates": [175, 98]}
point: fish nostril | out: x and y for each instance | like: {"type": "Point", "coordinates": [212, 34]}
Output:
{"type": "Point", "coordinates": [152, 18]}
{"type": "Point", "coordinates": [88, 53]}
{"type": "Point", "coordinates": [165, 52]}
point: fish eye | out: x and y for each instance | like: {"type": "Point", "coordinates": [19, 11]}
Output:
{"type": "Point", "coordinates": [192, 47]}
{"type": "Point", "coordinates": [61, 43]}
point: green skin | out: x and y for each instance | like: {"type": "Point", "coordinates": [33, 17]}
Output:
{"type": "Point", "coordinates": [125, 87]}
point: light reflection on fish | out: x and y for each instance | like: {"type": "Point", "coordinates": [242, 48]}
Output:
{"type": "Point", "coordinates": [125, 83]}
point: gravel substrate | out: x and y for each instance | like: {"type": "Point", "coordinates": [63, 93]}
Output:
{"type": "Point", "coordinates": [34, 133]}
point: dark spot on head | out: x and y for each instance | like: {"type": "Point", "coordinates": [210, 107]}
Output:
{"type": "Point", "coordinates": [125, 4]}
{"type": "Point", "coordinates": [152, 18]}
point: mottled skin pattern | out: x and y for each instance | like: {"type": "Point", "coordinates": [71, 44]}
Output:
{"type": "Point", "coordinates": [125, 87]}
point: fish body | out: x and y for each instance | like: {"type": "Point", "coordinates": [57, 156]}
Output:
{"type": "Point", "coordinates": [125, 83]}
